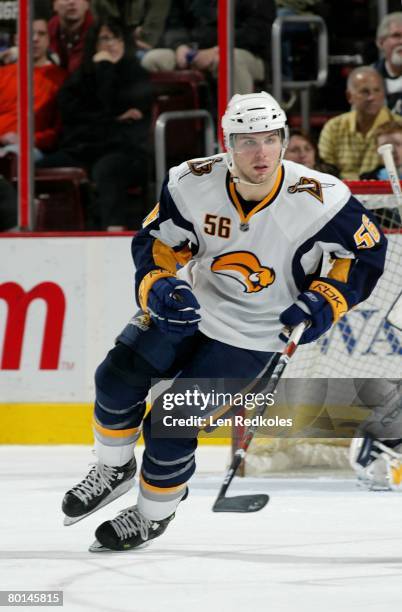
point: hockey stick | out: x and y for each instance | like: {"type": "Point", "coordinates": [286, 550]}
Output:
{"type": "Point", "coordinates": [394, 315]}
{"type": "Point", "coordinates": [255, 502]}
{"type": "Point", "coordinates": [385, 151]}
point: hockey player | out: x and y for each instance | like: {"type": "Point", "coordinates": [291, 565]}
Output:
{"type": "Point", "coordinates": [376, 454]}
{"type": "Point", "coordinates": [250, 232]}
{"type": "Point", "coordinates": [377, 462]}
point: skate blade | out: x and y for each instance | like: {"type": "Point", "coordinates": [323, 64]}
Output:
{"type": "Point", "coordinates": [368, 485]}
{"type": "Point", "coordinates": [118, 491]}
{"type": "Point", "coordinates": [97, 547]}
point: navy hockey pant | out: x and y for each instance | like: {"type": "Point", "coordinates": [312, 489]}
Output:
{"type": "Point", "coordinates": [124, 378]}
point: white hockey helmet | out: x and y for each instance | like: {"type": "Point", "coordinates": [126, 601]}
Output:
{"type": "Point", "coordinates": [250, 113]}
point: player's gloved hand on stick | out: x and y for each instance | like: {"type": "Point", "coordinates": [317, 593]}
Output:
{"type": "Point", "coordinates": [310, 306]}
{"type": "Point", "coordinates": [173, 307]}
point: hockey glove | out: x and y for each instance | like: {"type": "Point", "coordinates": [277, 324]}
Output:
{"type": "Point", "coordinates": [323, 304]}
{"type": "Point", "coordinates": [312, 307]}
{"type": "Point", "coordinates": [173, 307]}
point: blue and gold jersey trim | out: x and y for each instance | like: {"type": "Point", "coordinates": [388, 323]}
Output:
{"type": "Point", "coordinates": [245, 217]}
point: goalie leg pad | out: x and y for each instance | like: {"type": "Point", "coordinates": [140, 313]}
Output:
{"type": "Point", "coordinates": [378, 464]}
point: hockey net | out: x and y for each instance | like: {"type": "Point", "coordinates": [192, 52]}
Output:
{"type": "Point", "coordinates": [361, 345]}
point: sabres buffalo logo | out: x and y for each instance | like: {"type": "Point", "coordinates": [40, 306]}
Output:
{"type": "Point", "coordinates": [245, 268]}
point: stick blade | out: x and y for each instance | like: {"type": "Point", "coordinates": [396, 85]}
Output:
{"type": "Point", "coordinates": [241, 503]}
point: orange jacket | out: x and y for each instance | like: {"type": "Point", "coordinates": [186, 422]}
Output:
{"type": "Point", "coordinates": [47, 81]}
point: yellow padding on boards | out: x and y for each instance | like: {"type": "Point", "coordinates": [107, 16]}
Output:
{"type": "Point", "coordinates": [308, 420]}
{"type": "Point", "coordinates": [46, 423]}
{"type": "Point", "coordinates": [61, 424]}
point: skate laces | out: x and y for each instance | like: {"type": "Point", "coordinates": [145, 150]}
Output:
{"type": "Point", "coordinates": [129, 522]}
{"type": "Point", "coordinates": [99, 478]}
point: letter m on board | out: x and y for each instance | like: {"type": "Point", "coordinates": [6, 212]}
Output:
{"type": "Point", "coordinates": [18, 302]}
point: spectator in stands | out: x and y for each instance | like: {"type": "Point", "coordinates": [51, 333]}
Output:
{"type": "Point", "coordinates": [292, 8]}
{"type": "Point", "coordinates": [389, 41]}
{"type": "Point", "coordinates": [8, 206]}
{"type": "Point", "coordinates": [105, 107]}
{"type": "Point", "coordinates": [145, 18]}
{"type": "Point", "coordinates": [190, 40]}
{"type": "Point", "coordinates": [47, 80]}
{"type": "Point", "coordinates": [67, 30]}
{"type": "Point", "coordinates": [8, 55]}
{"type": "Point", "coordinates": [296, 7]}
{"type": "Point", "coordinates": [302, 149]}
{"type": "Point", "coordinates": [348, 140]}
{"type": "Point", "coordinates": [43, 7]}
{"type": "Point", "coordinates": [8, 28]}
{"type": "Point", "coordinates": [388, 133]}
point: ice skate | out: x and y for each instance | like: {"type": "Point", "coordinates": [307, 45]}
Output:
{"type": "Point", "coordinates": [129, 530]}
{"type": "Point", "coordinates": [101, 486]}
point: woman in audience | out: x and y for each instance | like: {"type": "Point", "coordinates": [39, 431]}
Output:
{"type": "Point", "coordinates": [105, 107]}
{"type": "Point", "coordinates": [303, 149]}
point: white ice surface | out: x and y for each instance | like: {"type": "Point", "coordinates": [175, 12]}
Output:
{"type": "Point", "coordinates": [321, 545]}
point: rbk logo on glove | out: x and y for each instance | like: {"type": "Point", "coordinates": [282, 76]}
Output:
{"type": "Point", "coordinates": [333, 296]}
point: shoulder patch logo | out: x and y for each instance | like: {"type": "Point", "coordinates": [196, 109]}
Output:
{"type": "Point", "coordinates": [205, 166]}
{"type": "Point", "coordinates": [311, 185]}
{"type": "Point", "coordinates": [245, 268]}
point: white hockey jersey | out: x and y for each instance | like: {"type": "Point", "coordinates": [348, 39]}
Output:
{"type": "Point", "coordinates": [247, 266]}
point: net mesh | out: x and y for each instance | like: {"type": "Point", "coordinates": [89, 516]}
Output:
{"type": "Point", "coordinates": [363, 344]}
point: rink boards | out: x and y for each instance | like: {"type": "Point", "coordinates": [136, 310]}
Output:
{"type": "Point", "coordinates": [63, 300]}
